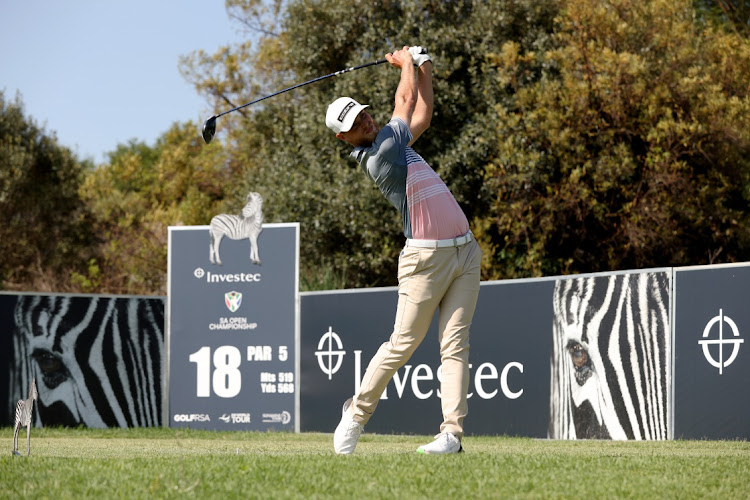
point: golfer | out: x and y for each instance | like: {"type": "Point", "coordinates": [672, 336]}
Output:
{"type": "Point", "coordinates": [438, 268]}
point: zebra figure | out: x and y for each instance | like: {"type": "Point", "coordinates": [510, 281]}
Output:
{"type": "Point", "coordinates": [611, 368]}
{"type": "Point", "coordinates": [248, 225]}
{"type": "Point", "coordinates": [24, 408]}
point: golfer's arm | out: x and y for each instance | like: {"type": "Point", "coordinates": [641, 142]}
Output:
{"type": "Point", "coordinates": [406, 94]}
{"type": "Point", "coordinates": [422, 116]}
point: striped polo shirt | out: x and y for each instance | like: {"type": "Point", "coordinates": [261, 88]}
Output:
{"type": "Point", "coordinates": [428, 209]}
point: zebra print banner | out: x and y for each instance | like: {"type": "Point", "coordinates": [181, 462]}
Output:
{"type": "Point", "coordinates": [611, 359]}
{"type": "Point", "coordinates": [97, 360]}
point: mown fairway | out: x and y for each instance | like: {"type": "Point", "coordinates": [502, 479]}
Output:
{"type": "Point", "coordinates": [169, 463]}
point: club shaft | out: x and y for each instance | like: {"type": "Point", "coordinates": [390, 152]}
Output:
{"type": "Point", "coordinates": [340, 72]}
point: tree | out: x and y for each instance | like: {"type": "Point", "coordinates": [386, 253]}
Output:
{"type": "Point", "coordinates": [44, 234]}
{"type": "Point", "coordinates": [577, 135]}
{"type": "Point", "coordinates": [137, 195]}
{"type": "Point", "coordinates": [283, 149]}
{"type": "Point", "coordinates": [626, 146]}
{"type": "Point", "coordinates": [735, 14]}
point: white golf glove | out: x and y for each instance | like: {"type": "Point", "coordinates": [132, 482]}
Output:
{"type": "Point", "coordinates": [419, 55]}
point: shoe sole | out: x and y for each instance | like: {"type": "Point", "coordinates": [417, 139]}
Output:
{"type": "Point", "coordinates": [422, 452]}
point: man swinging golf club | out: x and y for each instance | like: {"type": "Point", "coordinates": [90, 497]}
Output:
{"type": "Point", "coordinates": [439, 265]}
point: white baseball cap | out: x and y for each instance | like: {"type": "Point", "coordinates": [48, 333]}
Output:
{"type": "Point", "coordinates": [341, 114]}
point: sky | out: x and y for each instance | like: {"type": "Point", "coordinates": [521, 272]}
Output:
{"type": "Point", "coordinates": [98, 73]}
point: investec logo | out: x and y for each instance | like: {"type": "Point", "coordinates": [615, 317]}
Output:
{"type": "Point", "coordinates": [200, 273]}
{"type": "Point", "coordinates": [721, 344]}
{"type": "Point", "coordinates": [423, 381]}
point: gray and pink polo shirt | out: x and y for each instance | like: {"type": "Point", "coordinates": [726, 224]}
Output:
{"type": "Point", "coordinates": [428, 209]}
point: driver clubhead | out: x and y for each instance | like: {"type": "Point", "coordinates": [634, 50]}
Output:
{"type": "Point", "coordinates": [209, 129]}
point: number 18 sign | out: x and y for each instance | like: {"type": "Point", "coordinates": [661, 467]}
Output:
{"type": "Point", "coordinates": [233, 330]}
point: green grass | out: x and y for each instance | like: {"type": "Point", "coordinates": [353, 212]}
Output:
{"type": "Point", "coordinates": [171, 463]}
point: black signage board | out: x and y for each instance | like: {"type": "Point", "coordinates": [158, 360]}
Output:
{"type": "Point", "coordinates": [233, 331]}
{"type": "Point", "coordinates": [712, 355]}
{"type": "Point", "coordinates": [509, 373]}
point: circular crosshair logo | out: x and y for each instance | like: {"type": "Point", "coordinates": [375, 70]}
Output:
{"type": "Point", "coordinates": [330, 367]}
{"type": "Point", "coordinates": [721, 341]}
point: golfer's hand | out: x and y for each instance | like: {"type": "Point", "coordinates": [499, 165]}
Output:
{"type": "Point", "coordinates": [399, 58]}
{"type": "Point", "coordinates": [419, 55]}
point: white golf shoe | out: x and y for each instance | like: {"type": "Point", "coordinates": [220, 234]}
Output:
{"type": "Point", "coordinates": [347, 432]}
{"type": "Point", "coordinates": [445, 442]}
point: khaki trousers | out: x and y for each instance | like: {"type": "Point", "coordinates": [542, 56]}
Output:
{"type": "Point", "coordinates": [428, 279]}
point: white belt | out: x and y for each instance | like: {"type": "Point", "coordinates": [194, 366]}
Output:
{"type": "Point", "coordinates": [451, 242]}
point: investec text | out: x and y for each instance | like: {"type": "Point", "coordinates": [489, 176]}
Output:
{"type": "Point", "coordinates": [423, 373]}
{"type": "Point", "coordinates": [233, 278]}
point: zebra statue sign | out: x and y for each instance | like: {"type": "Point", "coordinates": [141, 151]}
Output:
{"type": "Point", "coordinates": [247, 225]}
{"type": "Point", "coordinates": [232, 324]}
{"type": "Point", "coordinates": [23, 418]}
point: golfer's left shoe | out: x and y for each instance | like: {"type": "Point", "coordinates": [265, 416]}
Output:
{"type": "Point", "coordinates": [444, 443]}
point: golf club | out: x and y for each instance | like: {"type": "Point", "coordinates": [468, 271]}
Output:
{"type": "Point", "coordinates": [209, 128]}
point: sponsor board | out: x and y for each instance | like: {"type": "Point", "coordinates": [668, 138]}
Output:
{"type": "Point", "coordinates": [712, 355]}
{"type": "Point", "coordinates": [509, 361]}
{"type": "Point", "coordinates": [233, 329]}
